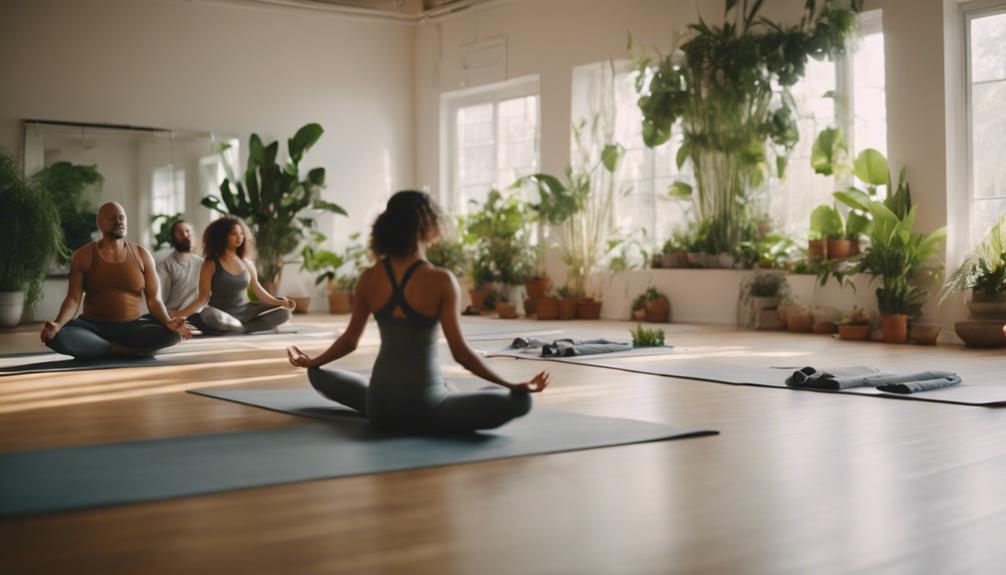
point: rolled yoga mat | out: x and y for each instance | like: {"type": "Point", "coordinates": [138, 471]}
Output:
{"type": "Point", "coordinates": [980, 389]}
{"type": "Point", "coordinates": [343, 444]}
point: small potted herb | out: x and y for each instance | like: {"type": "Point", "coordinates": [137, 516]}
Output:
{"type": "Point", "coordinates": [855, 325]}
{"type": "Point", "coordinates": [642, 337]}
{"type": "Point", "coordinates": [639, 307]}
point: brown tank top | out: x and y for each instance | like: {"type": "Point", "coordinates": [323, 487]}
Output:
{"type": "Point", "coordinates": [112, 290]}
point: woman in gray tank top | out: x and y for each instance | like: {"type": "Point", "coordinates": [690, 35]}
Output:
{"type": "Point", "coordinates": [410, 299]}
{"type": "Point", "coordinates": [223, 284]}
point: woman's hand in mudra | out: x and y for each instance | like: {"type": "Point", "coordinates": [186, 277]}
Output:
{"type": "Point", "coordinates": [298, 358]}
{"type": "Point", "coordinates": [536, 384]}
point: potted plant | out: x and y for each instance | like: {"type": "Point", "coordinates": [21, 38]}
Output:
{"type": "Point", "coordinates": [339, 281]}
{"type": "Point", "coordinates": [983, 273]}
{"type": "Point", "coordinates": [32, 239]}
{"type": "Point", "coordinates": [895, 255]}
{"type": "Point", "coordinates": [674, 253]}
{"type": "Point", "coordinates": [547, 306]}
{"type": "Point", "coordinates": [799, 319]}
{"type": "Point", "coordinates": [70, 187]}
{"type": "Point", "coordinates": [500, 233]}
{"type": "Point", "coordinates": [826, 319]}
{"type": "Point", "coordinates": [855, 325]}
{"type": "Point", "coordinates": [567, 303]}
{"type": "Point", "coordinates": [272, 198]}
{"type": "Point", "coordinates": [639, 307]}
{"type": "Point", "coordinates": [721, 88]}
{"type": "Point", "coordinates": [642, 337]}
{"type": "Point", "coordinates": [766, 287]}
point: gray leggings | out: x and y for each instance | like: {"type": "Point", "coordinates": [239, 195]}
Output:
{"type": "Point", "coordinates": [89, 339]}
{"type": "Point", "coordinates": [219, 321]}
{"type": "Point", "coordinates": [452, 412]}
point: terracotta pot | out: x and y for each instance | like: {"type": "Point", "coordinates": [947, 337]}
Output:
{"type": "Point", "coordinates": [588, 309]}
{"type": "Point", "coordinates": [982, 306]}
{"type": "Point", "coordinates": [547, 308]}
{"type": "Point", "coordinates": [839, 249]}
{"type": "Point", "coordinates": [537, 288]}
{"type": "Point", "coordinates": [694, 259]}
{"type": "Point", "coordinates": [657, 261]}
{"type": "Point", "coordinates": [658, 310]}
{"type": "Point", "coordinates": [303, 303]}
{"type": "Point", "coordinates": [894, 326]}
{"type": "Point", "coordinates": [924, 333]}
{"type": "Point", "coordinates": [506, 310]}
{"type": "Point", "coordinates": [816, 250]}
{"type": "Point", "coordinates": [981, 333]}
{"type": "Point", "coordinates": [639, 314]}
{"type": "Point", "coordinates": [530, 306]}
{"type": "Point", "coordinates": [854, 332]}
{"type": "Point", "coordinates": [673, 259]}
{"type": "Point", "coordinates": [567, 308]}
{"type": "Point", "coordinates": [799, 320]}
{"type": "Point", "coordinates": [478, 298]}
{"type": "Point", "coordinates": [824, 327]}
{"type": "Point", "coordinates": [339, 302]}
{"type": "Point", "coordinates": [854, 247]}
{"type": "Point", "coordinates": [783, 310]}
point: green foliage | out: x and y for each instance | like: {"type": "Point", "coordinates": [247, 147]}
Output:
{"type": "Point", "coordinates": [500, 231]}
{"type": "Point", "coordinates": [984, 268]}
{"type": "Point", "coordinates": [333, 265]}
{"type": "Point", "coordinates": [828, 154]}
{"type": "Point", "coordinates": [67, 185]}
{"type": "Point", "coordinates": [826, 222]}
{"type": "Point", "coordinates": [721, 94]}
{"type": "Point", "coordinates": [450, 254]}
{"type": "Point", "coordinates": [896, 255]}
{"type": "Point", "coordinates": [642, 337]}
{"type": "Point", "coordinates": [855, 316]}
{"type": "Point", "coordinates": [31, 231]}
{"type": "Point", "coordinates": [272, 197]}
{"type": "Point", "coordinates": [651, 294]}
{"type": "Point", "coordinates": [163, 236]}
{"type": "Point", "coordinates": [767, 283]}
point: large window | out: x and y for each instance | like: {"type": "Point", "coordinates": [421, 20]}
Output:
{"type": "Point", "coordinates": [167, 191]}
{"type": "Point", "coordinates": [986, 103]}
{"type": "Point", "coordinates": [493, 138]}
{"type": "Point", "coordinates": [848, 93]}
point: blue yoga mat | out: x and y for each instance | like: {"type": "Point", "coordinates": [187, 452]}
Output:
{"type": "Point", "coordinates": [342, 444]}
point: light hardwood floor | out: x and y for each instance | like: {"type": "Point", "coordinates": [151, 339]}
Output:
{"type": "Point", "coordinates": [797, 482]}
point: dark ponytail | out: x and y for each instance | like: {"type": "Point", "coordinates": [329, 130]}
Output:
{"type": "Point", "coordinates": [410, 217]}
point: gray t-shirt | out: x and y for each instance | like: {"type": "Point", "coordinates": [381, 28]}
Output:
{"type": "Point", "coordinates": [179, 279]}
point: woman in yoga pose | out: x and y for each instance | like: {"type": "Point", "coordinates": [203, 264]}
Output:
{"type": "Point", "coordinates": [223, 283]}
{"type": "Point", "coordinates": [409, 297]}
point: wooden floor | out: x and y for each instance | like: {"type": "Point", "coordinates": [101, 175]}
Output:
{"type": "Point", "coordinates": [797, 482]}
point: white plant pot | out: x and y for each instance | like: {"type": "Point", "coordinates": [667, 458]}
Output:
{"type": "Point", "coordinates": [516, 295]}
{"type": "Point", "coordinates": [11, 308]}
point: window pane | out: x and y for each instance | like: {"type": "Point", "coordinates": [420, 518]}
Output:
{"type": "Point", "coordinates": [989, 139]}
{"type": "Point", "coordinates": [475, 151]}
{"type": "Point", "coordinates": [517, 131]}
{"type": "Point", "coordinates": [988, 48]}
{"type": "Point", "coordinates": [869, 99]}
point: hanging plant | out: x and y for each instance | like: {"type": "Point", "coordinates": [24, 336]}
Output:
{"type": "Point", "coordinates": [727, 91]}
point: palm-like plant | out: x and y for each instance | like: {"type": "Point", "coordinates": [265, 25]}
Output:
{"type": "Point", "coordinates": [272, 198]}
{"type": "Point", "coordinates": [984, 269]}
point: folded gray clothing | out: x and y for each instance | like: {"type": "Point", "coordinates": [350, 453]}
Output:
{"type": "Point", "coordinates": [860, 376]}
{"type": "Point", "coordinates": [569, 347]}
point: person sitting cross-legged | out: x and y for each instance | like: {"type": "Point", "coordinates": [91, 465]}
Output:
{"type": "Point", "coordinates": [111, 274]}
{"type": "Point", "coordinates": [226, 273]}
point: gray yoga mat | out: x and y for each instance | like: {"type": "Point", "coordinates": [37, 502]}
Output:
{"type": "Point", "coordinates": [974, 390]}
{"type": "Point", "coordinates": [342, 444]}
{"type": "Point", "coordinates": [580, 359]}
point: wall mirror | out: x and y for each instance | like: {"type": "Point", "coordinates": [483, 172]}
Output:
{"type": "Point", "coordinates": [154, 173]}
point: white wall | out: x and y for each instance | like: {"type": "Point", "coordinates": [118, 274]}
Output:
{"type": "Point", "coordinates": [551, 37]}
{"type": "Point", "coordinates": [225, 68]}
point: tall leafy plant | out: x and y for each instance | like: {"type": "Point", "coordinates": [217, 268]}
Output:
{"type": "Point", "coordinates": [720, 91]}
{"type": "Point", "coordinates": [67, 184]}
{"type": "Point", "coordinates": [31, 232]}
{"type": "Point", "coordinates": [272, 198]}
{"type": "Point", "coordinates": [580, 208]}
{"type": "Point", "coordinates": [500, 231]}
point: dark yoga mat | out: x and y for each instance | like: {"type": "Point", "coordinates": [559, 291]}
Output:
{"type": "Point", "coordinates": [974, 390]}
{"type": "Point", "coordinates": [581, 359]}
{"type": "Point", "coordinates": [343, 444]}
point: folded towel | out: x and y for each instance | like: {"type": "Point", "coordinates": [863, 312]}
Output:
{"type": "Point", "coordinates": [860, 376]}
{"type": "Point", "coordinates": [569, 347]}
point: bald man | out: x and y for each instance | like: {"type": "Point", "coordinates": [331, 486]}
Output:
{"type": "Point", "coordinates": [113, 273]}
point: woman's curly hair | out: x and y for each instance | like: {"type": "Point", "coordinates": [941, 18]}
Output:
{"type": "Point", "coordinates": [410, 217]}
{"type": "Point", "coordinates": [215, 238]}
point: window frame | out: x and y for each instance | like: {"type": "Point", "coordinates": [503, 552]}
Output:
{"type": "Point", "coordinates": [451, 102]}
{"type": "Point", "coordinates": [969, 12]}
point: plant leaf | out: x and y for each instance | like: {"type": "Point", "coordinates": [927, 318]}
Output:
{"type": "Point", "coordinates": [871, 167]}
{"type": "Point", "coordinates": [610, 156]}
